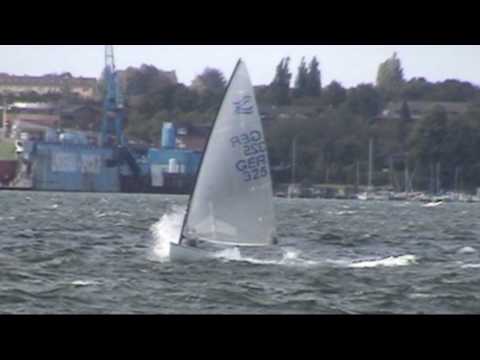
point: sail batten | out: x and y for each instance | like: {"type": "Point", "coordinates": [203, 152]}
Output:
{"type": "Point", "coordinates": [232, 200]}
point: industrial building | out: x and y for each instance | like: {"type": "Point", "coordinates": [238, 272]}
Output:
{"type": "Point", "coordinates": [170, 167]}
{"type": "Point", "coordinates": [82, 160]}
{"type": "Point", "coordinates": [48, 84]}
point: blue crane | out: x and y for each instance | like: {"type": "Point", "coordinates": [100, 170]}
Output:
{"type": "Point", "coordinates": [114, 115]}
{"type": "Point", "coordinates": [114, 110]}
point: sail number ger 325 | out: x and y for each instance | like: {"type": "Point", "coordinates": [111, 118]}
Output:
{"type": "Point", "coordinates": [254, 166]}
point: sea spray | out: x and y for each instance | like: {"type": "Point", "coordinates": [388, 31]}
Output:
{"type": "Point", "coordinates": [166, 231]}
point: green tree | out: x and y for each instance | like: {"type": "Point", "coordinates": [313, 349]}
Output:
{"type": "Point", "coordinates": [145, 80]}
{"type": "Point", "coordinates": [334, 94]}
{"type": "Point", "coordinates": [405, 113]}
{"type": "Point", "coordinates": [280, 87]}
{"type": "Point", "coordinates": [302, 79]}
{"type": "Point", "coordinates": [210, 87]}
{"type": "Point", "coordinates": [142, 81]}
{"type": "Point", "coordinates": [404, 125]}
{"type": "Point", "coordinates": [429, 137]}
{"type": "Point", "coordinates": [314, 83]}
{"type": "Point", "coordinates": [211, 80]}
{"type": "Point", "coordinates": [417, 89]}
{"type": "Point", "coordinates": [390, 78]}
{"type": "Point", "coordinates": [186, 100]}
{"type": "Point", "coordinates": [464, 141]}
{"type": "Point", "coordinates": [364, 100]}
{"type": "Point", "coordinates": [453, 90]}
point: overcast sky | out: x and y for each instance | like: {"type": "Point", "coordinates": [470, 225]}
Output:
{"type": "Point", "coordinates": [347, 64]}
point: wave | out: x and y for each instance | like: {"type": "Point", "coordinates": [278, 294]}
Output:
{"type": "Point", "coordinates": [392, 261]}
{"type": "Point", "coordinates": [81, 283]}
{"type": "Point", "coordinates": [293, 257]}
{"type": "Point", "coordinates": [433, 204]}
{"type": "Point", "coordinates": [289, 257]}
{"type": "Point", "coordinates": [471, 266]}
{"type": "Point", "coordinates": [421, 296]}
{"type": "Point", "coordinates": [347, 212]}
{"type": "Point", "coordinates": [467, 250]}
{"type": "Point", "coordinates": [167, 230]}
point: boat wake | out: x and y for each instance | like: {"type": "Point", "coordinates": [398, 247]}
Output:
{"type": "Point", "coordinates": [169, 227]}
{"type": "Point", "coordinates": [290, 257]}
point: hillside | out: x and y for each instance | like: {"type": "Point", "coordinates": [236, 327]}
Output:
{"type": "Point", "coordinates": [426, 135]}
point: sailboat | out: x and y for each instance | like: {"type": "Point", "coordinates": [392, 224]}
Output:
{"type": "Point", "coordinates": [232, 201]}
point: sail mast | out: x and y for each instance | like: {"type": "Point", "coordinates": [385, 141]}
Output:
{"type": "Point", "coordinates": [185, 220]}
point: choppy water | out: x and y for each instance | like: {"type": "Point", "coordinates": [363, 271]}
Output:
{"type": "Point", "coordinates": [102, 254]}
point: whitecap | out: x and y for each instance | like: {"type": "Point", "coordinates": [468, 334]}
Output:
{"type": "Point", "coordinates": [467, 250]}
{"type": "Point", "coordinates": [339, 263]}
{"type": "Point", "coordinates": [349, 212]}
{"type": "Point", "coordinates": [420, 296]}
{"type": "Point", "coordinates": [433, 204]}
{"type": "Point", "coordinates": [392, 261]}
{"type": "Point", "coordinates": [232, 254]}
{"type": "Point", "coordinates": [84, 283]}
{"type": "Point", "coordinates": [471, 266]}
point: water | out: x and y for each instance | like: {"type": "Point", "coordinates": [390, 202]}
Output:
{"type": "Point", "coordinates": [108, 254]}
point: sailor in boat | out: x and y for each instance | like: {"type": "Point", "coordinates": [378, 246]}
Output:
{"type": "Point", "coordinates": [246, 179]}
{"type": "Point", "coordinates": [189, 242]}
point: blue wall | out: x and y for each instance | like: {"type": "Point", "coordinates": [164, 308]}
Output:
{"type": "Point", "coordinates": [80, 168]}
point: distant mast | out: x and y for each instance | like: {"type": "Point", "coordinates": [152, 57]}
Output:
{"type": "Point", "coordinates": [292, 189]}
{"type": "Point", "coordinates": [370, 165]}
{"type": "Point", "coordinates": [4, 131]}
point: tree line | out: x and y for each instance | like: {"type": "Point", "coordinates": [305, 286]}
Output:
{"type": "Point", "coordinates": [434, 149]}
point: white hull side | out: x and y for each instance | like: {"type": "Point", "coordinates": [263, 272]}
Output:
{"type": "Point", "coordinates": [180, 253]}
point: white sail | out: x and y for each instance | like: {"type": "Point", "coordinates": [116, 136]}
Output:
{"type": "Point", "coordinates": [233, 202]}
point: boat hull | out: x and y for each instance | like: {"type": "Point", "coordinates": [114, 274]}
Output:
{"type": "Point", "coordinates": [8, 170]}
{"type": "Point", "coordinates": [179, 253]}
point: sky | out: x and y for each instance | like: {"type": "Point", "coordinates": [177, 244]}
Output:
{"type": "Point", "coordinates": [347, 64]}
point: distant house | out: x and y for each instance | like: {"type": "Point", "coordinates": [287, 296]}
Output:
{"type": "Point", "coordinates": [48, 84]}
{"type": "Point", "coordinates": [44, 108]}
{"type": "Point", "coordinates": [35, 125]}
{"type": "Point", "coordinates": [192, 137]}
{"type": "Point", "coordinates": [36, 119]}
{"type": "Point", "coordinates": [32, 118]}
{"type": "Point", "coordinates": [418, 109]}
{"type": "Point", "coordinates": [83, 117]}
